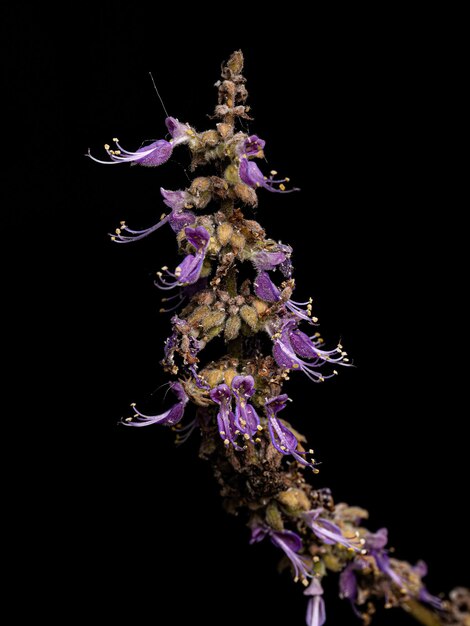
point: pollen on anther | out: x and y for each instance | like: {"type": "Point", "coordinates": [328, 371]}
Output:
{"type": "Point", "coordinates": [106, 146]}
{"type": "Point", "coordinates": [115, 139]}
{"type": "Point", "coordinates": [273, 172]}
{"type": "Point", "coordinates": [259, 427]}
{"type": "Point", "coordinates": [282, 187]}
{"type": "Point", "coordinates": [226, 442]}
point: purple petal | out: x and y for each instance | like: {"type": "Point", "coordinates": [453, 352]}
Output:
{"type": "Point", "coordinates": [176, 128]}
{"type": "Point", "coordinates": [189, 269]}
{"type": "Point", "coordinates": [348, 583]}
{"type": "Point", "coordinates": [290, 539]}
{"type": "Point", "coordinates": [264, 261]}
{"type": "Point", "coordinates": [314, 589]}
{"type": "Point", "coordinates": [198, 237]}
{"type": "Point", "coordinates": [276, 404]}
{"type": "Point", "coordinates": [282, 357]}
{"type": "Point", "coordinates": [221, 393]}
{"type": "Point", "coordinates": [160, 152]}
{"type": "Point", "coordinates": [378, 540]}
{"type": "Point", "coordinates": [302, 344]}
{"type": "Point", "coordinates": [282, 438]}
{"type": "Point", "coordinates": [250, 173]}
{"type": "Point", "coordinates": [252, 145]}
{"type": "Point", "coordinates": [258, 533]}
{"type": "Point", "coordinates": [244, 385]}
{"type": "Point", "coordinates": [176, 200]}
{"type": "Point", "coordinates": [252, 419]}
{"type": "Point", "coordinates": [433, 601]}
{"type": "Point", "coordinates": [266, 289]}
{"type": "Point", "coordinates": [316, 613]}
{"type": "Point", "coordinates": [180, 219]}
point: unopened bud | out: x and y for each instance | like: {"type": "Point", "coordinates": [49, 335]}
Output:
{"type": "Point", "coordinates": [214, 318]}
{"type": "Point", "coordinates": [238, 241]}
{"type": "Point", "coordinates": [232, 327]}
{"type": "Point", "coordinates": [244, 193]}
{"type": "Point", "coordinates": [249, 315]}
{"type": "Point", "coordinates": [274, 517]}
{"type": "Point", "coordinates": [294, 500]}
{"type": "Point", "coordinates": [224, 233]}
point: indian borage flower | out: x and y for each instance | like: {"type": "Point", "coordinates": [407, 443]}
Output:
{"type": "Point", "coordinates": [258, 459]}
{"type": "Point", "coordinates": [189, 270]}
{"type": "Point", "coordinates": [282, 438]}
{"type": "Point", "coordinates": [246, 417]}
{"type": "Point", "coordinates": [292, 347]}
{"type": "Point", "coordinates": [154, 154]}
{"type": "Point", "coordinates": [267, 291]}
{"type": "Point", "coordinates": [316, 612]}
{"type": "Point", "coordinates": [290, 543]}
{"type": "Point", "coordinates": [168, 418]}
{"type": "Point", "coordinates": [179, 217]}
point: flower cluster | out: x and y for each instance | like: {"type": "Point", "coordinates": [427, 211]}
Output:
{"type": "Point", "coordinates": [262, 335]}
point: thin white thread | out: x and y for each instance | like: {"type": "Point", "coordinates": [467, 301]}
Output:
{"type": "Point", "coordinates": [158, 94]}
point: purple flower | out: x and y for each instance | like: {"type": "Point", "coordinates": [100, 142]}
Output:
{"type": "Point", "coordinates": [169, 418]}
{"type": "Point", "coordinates": [282, 438]}
{"type": "Point", "coordinates": [316, 614]}
{"type": "Point", "coordinates": [252, 176]}
{"type": "Point", "coordinates": [330, 533]}
{"type": "Point", "coordinates": [421, 570]}
{"type": "Point", "coordinates": [348, 583]}
{"type": "Point", "coordinates": [375, 544]}
{"type": "Point", "coordinates": [252, 146]}
{"type": "Point", "coordinates": [189, 270]}
{"type": "Point", "coordinates": [177, 130]}
{"type": "Point", "coordinates": [178, 218]}
{"type": "Point", "coordinates": [290, 543]}
{"type": "Point", "coordinates": [246, 418]}
{"type": "Point", "coordinates": [267, 291]}
{"type": "Point", "coordinates": [152, 155]}
{"type": "Point", "coordinates": [265, 260]}
{"type": "Point", "coordinates": [292, 347]}
{"type": "Point", "coordinates": [222, 396]}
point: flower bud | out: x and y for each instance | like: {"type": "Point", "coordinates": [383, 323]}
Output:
{"type": "Point", "coordinates": [229, 375]}
{"type": "Point", "coordinates": [224, 232]}
{"type": "Point", "coordinates": [232, 327]}
{"type": "Point", "coordinates": [235, 63]}
{"type": "Point", "coordinates": [249, 315]}
{"type": "Point", "coordinates": [198, 314]}
{"type": "Point", "coordinates": [274, 517]}
{"type": "Point", "coordinates": [246, 194]}
{"type": "Point", "coordinates": [225, 130]}
{"type": "Point", "coordinates": [231, 175]}
{"type": "Point", "coordinates": [238, 241]}
{"type": "Point", "coordinates": [294, 501]}
{"type": "Point", "coordinates": [210, 138]}
{"type": "Point", "coordinates": [214, 318]}
{"type": "Point", "coordinates": [260, 306]}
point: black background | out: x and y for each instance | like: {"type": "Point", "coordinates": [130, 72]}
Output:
{"type": "Point", "coordinates": [354, 109]}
